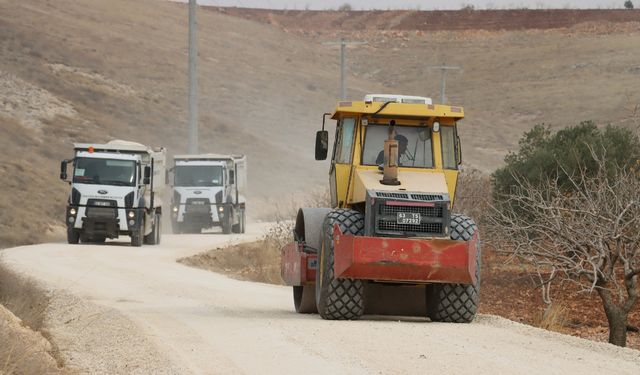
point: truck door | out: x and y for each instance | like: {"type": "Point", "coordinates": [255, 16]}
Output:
{"type": "Point", "coordinates": [341, 161]}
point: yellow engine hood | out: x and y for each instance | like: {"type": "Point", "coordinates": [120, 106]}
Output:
{"type": "Point", "coordinates": [410, 180]}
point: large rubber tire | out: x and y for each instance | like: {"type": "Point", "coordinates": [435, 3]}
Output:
{"type": "Point", "coordinates": [304, 299]}
{"type": "Point", "coordinates": [338, 299]}
{"type": "Point", "coordinates": [158, 229]}
{"type": "Point", "coordinates": [73, 236]}
{"type": "Point", "coordinates": [236, 228]}
{"type": "Point", "coordinates": [176, 228]}
{"type": "Point", "coordinates": [456, 303]}
{"type": "Point", "coordinates": [153, 238]}
{"type": "Point", "coordinates": [137, 237]}
{"type": "Point", "coordinates": [226, 224]}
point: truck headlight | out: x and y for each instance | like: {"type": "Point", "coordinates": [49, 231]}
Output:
{"type": "Point", "coordinates": [72, 211]}
{"type": "Point", "coordinates": [131, 214]}
{"type": "Point", "coordinates": [220, 209]}
{"type": "Point", "coordinates": [175, 209]}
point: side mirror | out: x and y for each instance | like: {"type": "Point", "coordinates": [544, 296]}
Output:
{"type": "Point", "coordinates": [322, 144]}
{"type": "Point", "coordinates": [232, 177]}
{"type": "Point", "coordinates": [147, 175]}
{"type": "Point", "coordinates": [458, 150]}
{"type": "Point", "coordinates": [63, 170]}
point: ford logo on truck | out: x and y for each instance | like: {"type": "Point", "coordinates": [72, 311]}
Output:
{"type": "Point", "coordinates": [102, 192]}
{"type": "Point", "coordinates": [197, 192]}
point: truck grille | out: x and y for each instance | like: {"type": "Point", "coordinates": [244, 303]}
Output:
{"type": "Point", "coordinates": [198, 205]}
{"type": "Point", "coordinates": [104, 209]}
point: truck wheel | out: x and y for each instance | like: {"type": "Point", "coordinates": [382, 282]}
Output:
{"type": "Point", "coordinates": [243, 221]}
{"type": "Point", "coordinates": [338, 299]}
{"type": "Point", "coordinates": [226, 224]}
{"type": "Point", "coordinates": [176, 227]}
{"type": "Point", "coordinates": [456, 303]}
{"type": "Point", "coordinates": [153, 238]}
{"type": "Point", "coordinates": [73, 236]}
{"type": "Point", "coordinates": [304, 299]}
{"type": "Point", "coordinates": [137, 237]}
{"type": "Point", "coordinates": [158, 228]}
{"type": "Point", "coordinates": [235, 228]}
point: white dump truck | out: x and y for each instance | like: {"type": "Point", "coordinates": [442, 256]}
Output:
{"type": "Point", "coordinates": [209, 190]}
{"type": "Point", "coordinates": [116, 189]}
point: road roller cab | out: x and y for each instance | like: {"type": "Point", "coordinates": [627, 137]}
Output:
{"type": "Point", "coordinates": [392, 177]}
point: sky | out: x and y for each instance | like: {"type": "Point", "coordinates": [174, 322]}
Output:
{"type": "Point", "coordinates": [416, 4]}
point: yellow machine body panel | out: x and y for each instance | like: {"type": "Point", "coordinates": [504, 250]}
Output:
{"type": "Point", "coordinates": [360, 134]}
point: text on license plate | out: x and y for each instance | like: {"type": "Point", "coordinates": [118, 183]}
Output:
{"type": "Point", "coordinates": [412, 218]}
{"type": "Point", "coordinates": [199, 203]}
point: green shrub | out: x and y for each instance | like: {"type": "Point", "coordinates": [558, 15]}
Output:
{"type": "Point", "coordinates": [544, 156]}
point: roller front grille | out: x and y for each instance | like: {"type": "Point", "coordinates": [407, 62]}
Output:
{"type": "Point", "coordinates": [423, 211]}
{"type": "Point", "coordinates": [427, 228]}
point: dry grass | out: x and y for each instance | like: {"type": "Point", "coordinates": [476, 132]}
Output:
{"type": "Point", "coordinates": [473, 195]}
{"type": "Point", "coordinates": [23, 298]}
{"type": "Point", "coordinates": [554, 318]}
{"type": "Point", "coordinates": [260, 260]}
{"type": "Point", "coordinates": [254, 261]}
{"type": "Point", "coordinates": [26, 346]}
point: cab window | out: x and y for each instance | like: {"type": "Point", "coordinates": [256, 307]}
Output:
{"type": "Point", "coordinates": [344, 141]}
{"type": "Point", "coordinates": [448, 139]}
{"type": "Point", "coordinates": [414, 145]}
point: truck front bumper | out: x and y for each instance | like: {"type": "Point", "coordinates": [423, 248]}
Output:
{"type": "Point", "coordinates": [408, 260]}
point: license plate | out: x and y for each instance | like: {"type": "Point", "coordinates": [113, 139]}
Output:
{"type": "Point", "coordinates": [102, 204]}
{"type": "Point", "coordinates": [198, 203]}
{"type": "Point", "coordinates": [411, 218]}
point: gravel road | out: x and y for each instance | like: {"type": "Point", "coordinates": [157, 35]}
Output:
{"type": "Point", "coordinates": [119, 309]}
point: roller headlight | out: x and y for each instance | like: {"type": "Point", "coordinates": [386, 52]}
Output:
{"type": "Point", "coordinates": [131, 214]}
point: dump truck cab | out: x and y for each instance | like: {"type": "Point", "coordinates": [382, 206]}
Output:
{"type": "Point", "coordinates": [209, 190]}
{"type": "Point", "coordinates": [392, 178]}
{"type": "Point", "coordinates": [116, 189]}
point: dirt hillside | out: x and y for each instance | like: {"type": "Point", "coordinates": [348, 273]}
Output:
{"type": "Point", "coordinates": [94, 70]}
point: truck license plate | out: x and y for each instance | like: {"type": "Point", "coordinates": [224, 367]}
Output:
{"type": "Point", "coordinates": [198, 203]}
{"type": "Point", "coordinates": [412, 218]}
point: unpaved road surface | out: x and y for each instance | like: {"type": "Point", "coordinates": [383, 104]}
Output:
{"type": "Point", "coordinates": [121, 309]}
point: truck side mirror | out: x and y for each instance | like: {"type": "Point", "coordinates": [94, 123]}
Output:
{"type": "Point", "coordinates": [232, 177]}
{"type": "Point", "coordinates": [63, 170]}
{"type": "Point", "coordinates": [322, 144]}
{"type": "Point", "coordinates": [147, 175]}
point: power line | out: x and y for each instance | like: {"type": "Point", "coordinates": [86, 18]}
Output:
{"type": "Point", "coordinates": [193, 79]}
{"type": "Point", "coordinates": [443, 83]}
{"type": "Point", "coordinates": [343, 63]}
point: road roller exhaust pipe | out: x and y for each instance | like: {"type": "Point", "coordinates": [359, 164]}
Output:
{"type": "Point", "coordinates": [390, 166]}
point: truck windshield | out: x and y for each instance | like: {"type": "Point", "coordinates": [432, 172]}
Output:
{"type": "Point", "coordinates": [104, 171]}
{"type": "Point", "coordinates": [198, 175]}
{"type": "Point", "coordinates": [414, 146]}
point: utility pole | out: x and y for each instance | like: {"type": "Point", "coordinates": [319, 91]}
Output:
{"type": "Point", "coordinates": [343, 63]}
{"type": "Point", "coordinates": [193, 80]}
{"type": "Point", "coordinates": [443, 83]}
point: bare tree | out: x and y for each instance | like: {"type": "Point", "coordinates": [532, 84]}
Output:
{"type": "Point", "coordinates": [588, 234]}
